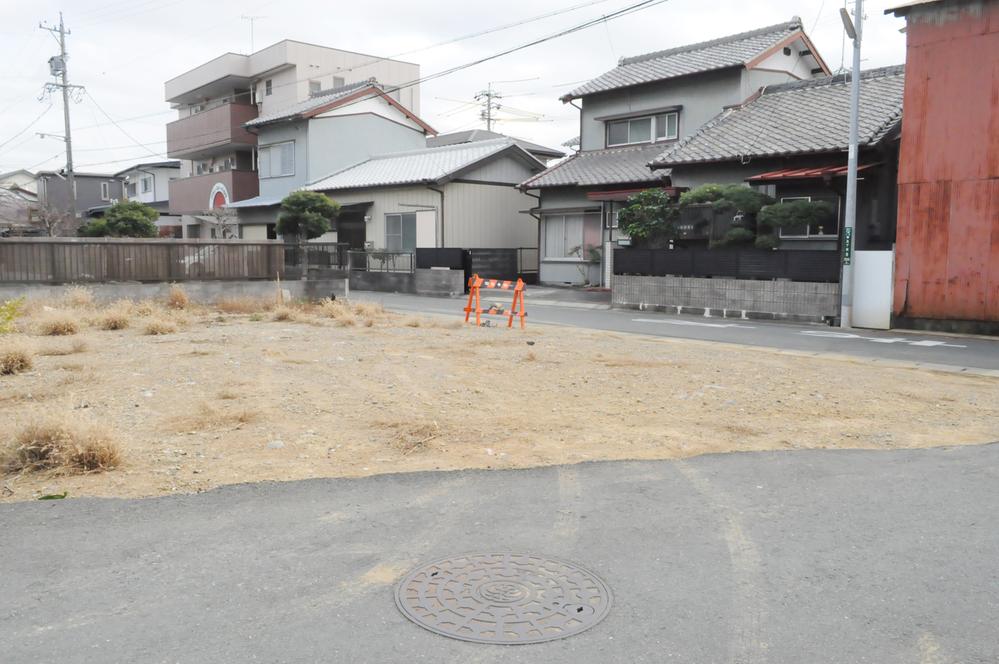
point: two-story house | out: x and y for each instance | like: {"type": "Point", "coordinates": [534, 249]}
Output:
{"type": "Point", "coordinates": [629, 115]}
{"type": "Point", "coordinates": [149, 183]}
{"type": "Point", "coordinates": [214, 101]}
{"type": "Point", "coordinates": [322, 135]}
{"type": "Point", "coordinates": [95, 193]}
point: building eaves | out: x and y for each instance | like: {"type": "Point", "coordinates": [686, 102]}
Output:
{"type": "Point", "coordinates": [592, 168]}
{"type": "Point", "coordinates": [802, 117]}
{"type": "Point", "coordinates": [724, 52]}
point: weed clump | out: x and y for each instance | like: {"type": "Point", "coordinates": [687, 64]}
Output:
{"type": "Point", "coordinates": [58, 324]}
{"type": "Point", "coordinates": [15, 358]}
{"type": "Point", "coordinates": [61, 445]}
{"type": "Point", "coordinates": [78, 296]}
{"type": "Point", "coordinates": [159, 326]}
{"type": "Point", "coordinates": [177, 297]}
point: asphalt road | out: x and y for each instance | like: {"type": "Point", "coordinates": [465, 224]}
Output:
{"type": "Point", "coordinates": [929, 349]}
{"type": "Point", "coordinates": [791, 557]}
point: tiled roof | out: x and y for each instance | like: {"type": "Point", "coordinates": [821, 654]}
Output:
{"type": "Point", "coordinates": [728, 51]}
{"type": "Point", "coordinates": [312, 103]}
{"type": "Point", "coordinates": [797, 118]}
{"type": "Point", "coordinates": [600, 167]}
{"type": "Point", "coordinates": [473, 135]}
{"type": "Point", "coordinates": [416, 166]}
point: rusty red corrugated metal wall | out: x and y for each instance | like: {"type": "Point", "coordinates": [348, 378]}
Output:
{"type": "Point", "coordinates": [947, 250]}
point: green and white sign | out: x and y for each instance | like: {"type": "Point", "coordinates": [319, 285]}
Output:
{"type": "Point", "coordinates": [847, 245]}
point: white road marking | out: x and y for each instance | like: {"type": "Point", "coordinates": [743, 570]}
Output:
{"type": "Point", "coordinates": [926, 343]}
{"type": "Point", "coordinates": [666, 321]}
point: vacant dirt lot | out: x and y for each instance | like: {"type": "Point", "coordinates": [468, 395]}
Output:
{"type": "Point", "coordinates": [219, 398]}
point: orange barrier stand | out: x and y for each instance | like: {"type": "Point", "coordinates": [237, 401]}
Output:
{"type": "Point", "coordinates": [475, 283]}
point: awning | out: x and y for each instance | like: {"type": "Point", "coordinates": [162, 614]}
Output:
{"type": "Point", "coordinates": [806, 173]}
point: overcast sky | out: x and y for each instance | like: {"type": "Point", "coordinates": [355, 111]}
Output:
{"type": "Point", "coordinates": [123, 51]}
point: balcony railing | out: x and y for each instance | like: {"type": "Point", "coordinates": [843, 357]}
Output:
{"type": "Point", "coordinates": [195, 194]}
{"type": "Point", "coordinates": [217, 128]}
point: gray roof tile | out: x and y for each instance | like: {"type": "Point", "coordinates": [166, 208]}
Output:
{"type": "Point", "coordinates": [600, 167]}
{"type": "Point", "coordinates": [416, 166]}
{"type": "Point", "coordinates": [796, 118]}
{"type": "Point", "coordinates": [728, 51]}
{"type": "Point", "coordinates": [312, 103]}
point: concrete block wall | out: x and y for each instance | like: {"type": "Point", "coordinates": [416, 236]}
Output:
{"type": "Point", "coordinates": [438, 283]}
{"type": "Point", "coordinates": [728, 298]}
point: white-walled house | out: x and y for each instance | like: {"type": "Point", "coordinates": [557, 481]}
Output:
{"type": "Point", "coordinates": [149, 183]}
{"type": "Point", "coordinates": [457, 196]}
{"type": "Point", "coordinates": [320, 136]}
{"type": "Point", "coordinates": [215, 100]}
{"type": "Point", "coordinates": [635, 112]}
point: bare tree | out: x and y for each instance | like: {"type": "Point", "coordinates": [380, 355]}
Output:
{"type": "Point", "coordinates": [224, 222]}
{"type": "Point", "coordinates": [50, 220]}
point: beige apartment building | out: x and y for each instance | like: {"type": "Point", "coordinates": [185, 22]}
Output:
{"type": "Point", "coordinates": [215, 100]}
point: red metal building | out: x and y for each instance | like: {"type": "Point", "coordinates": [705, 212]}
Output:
{"type": "Point", "coordinates": [947, 247]}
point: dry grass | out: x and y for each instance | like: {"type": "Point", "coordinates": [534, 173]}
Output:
{"type": "Point", "coordinates": [339, 311]}
{"type": "Point", "coordinates": [58, 324]}
{"type": "Point", "coordinates": [413, 322]}
{"type": "Point", "coordinates": [368, 309]}
{"type": "Point", "coordinates": [283, 313]}
{"type": "Point", "coordinates": [530, 357]}
{"type": "Point", "coordinates": [78, 346]}
{"type": "Point", "coordinates": [116, 317]}
{"type": "Point", "coordinates": [15, 357]}
{"type": "Point", "coordinates": [159, 326]}
{"type": "Point", "coordinates": [177, 297]}
{"type": "Point", "coordinates": [210, 417]}
{"type": "Point", "coordinates": [243, 305]}
{"type": "Point", "coordinates": [78, 296]}
{"type": "Point", "coordinates": [412, 437]}
{"type": "Point", "coordinates": [61, 445]}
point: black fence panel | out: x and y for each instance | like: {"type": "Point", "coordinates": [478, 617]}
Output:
{"type": "Point", "coordinates": [813, 265]}
{"type": "Point", "coordinates": [452, 259]}
{"type": "Point", "coordinates": [494, 263]}
{"type": "Point", "coordinates": [733, 263]}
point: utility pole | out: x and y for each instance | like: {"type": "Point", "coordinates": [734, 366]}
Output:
{"type": "Point", "coordinates": [57, 67]}
{"type": "Point", "coordinates": [251, 19]}
{"type": "Point", "coordinates": [854, 29]}
{"type": "Point", "coordinates": [490, 103]}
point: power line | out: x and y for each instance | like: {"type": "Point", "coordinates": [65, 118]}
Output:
{"type": "Point", "coordinates": [119, 127]}
{"type": "Point", "coordinates": [30, 125]}
{"type": "Point", "coordinates": [446, 42]}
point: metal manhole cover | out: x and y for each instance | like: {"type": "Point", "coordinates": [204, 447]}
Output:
{"type": "Point", "coordinates": [506, 598]}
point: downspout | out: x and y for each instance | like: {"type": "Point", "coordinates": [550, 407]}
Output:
{"type": "Point", "coordinates": [538, 218]}
{"type": "Point", "coordinates": [441, 193]}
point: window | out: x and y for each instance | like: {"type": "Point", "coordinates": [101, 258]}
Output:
{"type": "Point", "coordinates": [278, 160]}
{"type": "Point", "coordinates": [268, 87]}
{"type": "Point", "coordinates": [315, 87]}
{"type": "Point", "coordinates": [571, 236]}
{"type": "Point", "coordinates": [105, 191]}
{"type": "Point", "coordinates": [400, 231]}
{"type": "Point", "coordinates": [147, 185]}
{"type": "Point", "coordinates": [825, 227]}
{"type": "Point", "coordinates": [338, 82]}
{"type": "Point", "coordinates": [640, 130]}
{"type": "Point", "coordinates": [131, 189]}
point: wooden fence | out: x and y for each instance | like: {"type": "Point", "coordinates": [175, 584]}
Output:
{"type": "Point", "coordinates": [94, 260]}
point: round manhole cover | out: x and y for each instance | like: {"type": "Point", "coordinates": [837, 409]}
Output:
{"type": "Point", "coordinates": [507, 598]}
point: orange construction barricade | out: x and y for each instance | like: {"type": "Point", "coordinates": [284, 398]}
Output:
{"type": "Point", "coordinates": [475, 283]}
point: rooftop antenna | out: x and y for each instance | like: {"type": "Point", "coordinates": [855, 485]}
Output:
{"type": "Point", "coordinates": [252, 20]}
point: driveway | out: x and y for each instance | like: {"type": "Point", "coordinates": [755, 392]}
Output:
{"type": "Point", "coordinates": [790, 557]}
